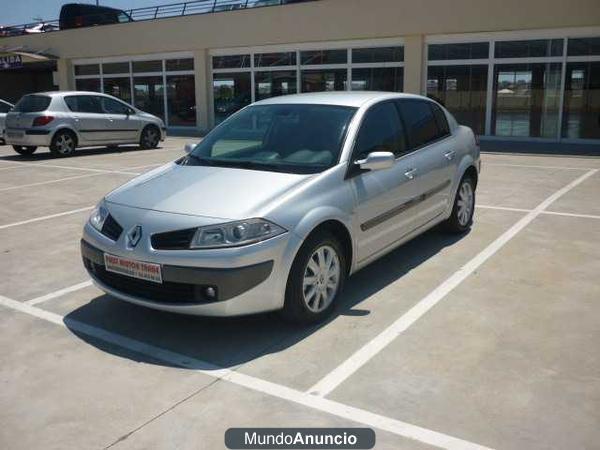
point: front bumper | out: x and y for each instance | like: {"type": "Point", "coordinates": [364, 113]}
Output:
{"type": "Point", "coordinates": [247, 280]}
{"type": "Point", "coordinates": [28, 137]}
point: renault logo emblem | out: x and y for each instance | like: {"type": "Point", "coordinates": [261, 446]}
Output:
{"type": "Point", "coordinates": [134, 235]}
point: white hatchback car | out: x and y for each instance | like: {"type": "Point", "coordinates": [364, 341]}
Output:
{"type": "Point", "coordinates": [64, 121]}
{"type": "Point", "coordinates": [281, 202]}
{"type": "Point", "coordinates": [5, 107]}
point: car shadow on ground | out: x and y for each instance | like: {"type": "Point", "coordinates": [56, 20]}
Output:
{"type": "Point", "coordinates": [229, 342]}
{"type": "Point", "coordinates": [44, 155]}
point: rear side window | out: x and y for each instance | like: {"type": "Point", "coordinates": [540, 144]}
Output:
{"type": "Point", "coordinates": [421, 124]}
{"type": "Point", "coordinates": [111, 106]}
{"type": "Point", "coordinates": [380, 131]}
{"type": "Point", "coordinates": [441, 120]}
{"type": "Point", "coordinates": [4, 107]}
{"type": "Point", "coordinates": [84, 104]}
{"type": "Point", "coordinates": [32, 103]}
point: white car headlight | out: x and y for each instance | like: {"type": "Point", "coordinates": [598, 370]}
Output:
{"type": "Point", "coordinates": [98, 216]}
{"type": "Point", "coordinates": [235, 234]}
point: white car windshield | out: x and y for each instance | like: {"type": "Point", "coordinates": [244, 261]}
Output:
{"type": "Point", "coordinates": [294, 138]}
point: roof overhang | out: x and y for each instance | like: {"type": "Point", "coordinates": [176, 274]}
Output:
{"type": "Point", "coordinates": [28, 54]}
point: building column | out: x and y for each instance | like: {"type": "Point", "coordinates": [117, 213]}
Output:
{"type": "Point", "coordinates": [63, 77]}
{"type": "Point", "coordinates": [413, 64]}
{"type": "Point", "coordinates": [201, 86]}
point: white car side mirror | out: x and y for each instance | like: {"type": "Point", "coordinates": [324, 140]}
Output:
{"type": "Point", "coordinates": [189, 147]}
{"type": "Point", "coordinates": [377, 161]}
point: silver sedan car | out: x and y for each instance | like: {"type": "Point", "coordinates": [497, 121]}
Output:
{"type": "Point", "coordinates": [280, 203]}
{"type": "Point", "coordinates": [5, 107]}
{"type": "Point", "coordinates": [64, 121]}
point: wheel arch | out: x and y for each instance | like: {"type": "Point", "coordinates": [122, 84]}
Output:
{"type": "Point", "coordinates": [67, 128]}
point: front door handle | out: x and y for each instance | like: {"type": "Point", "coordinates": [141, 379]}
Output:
{"type": "Point", "coordinates": [450, 155]}
{"type": "Point", "coordinates": [410, 173]}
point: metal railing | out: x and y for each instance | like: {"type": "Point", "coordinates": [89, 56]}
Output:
{"type": "Point", "coordinates": [151, 13]}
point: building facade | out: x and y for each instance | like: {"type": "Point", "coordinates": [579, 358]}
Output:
{"type": "Point", "coordinates": [511, 70]}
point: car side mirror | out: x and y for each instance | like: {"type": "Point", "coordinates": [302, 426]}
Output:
{"type": "Point", "coordinates": [377, 161]}
{"type": "Point", "coordinates": [189, 147]}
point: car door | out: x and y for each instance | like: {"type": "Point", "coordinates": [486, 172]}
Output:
{"type": "Point", "coordinates": [431, 143]}
{"type": "Point", "coordinates": [383, 198]}
{"type": "Point", "coordinates": [4, 108]}
{"type": "Point", "coordinates": [121, 121]}
{"type": "Point", "coordinates": [87, 117]}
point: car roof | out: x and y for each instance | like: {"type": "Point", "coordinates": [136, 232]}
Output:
{"type": "Point", "coordinates": [339, 98]}
{"type": "Point", "coordinates": [62, 93]}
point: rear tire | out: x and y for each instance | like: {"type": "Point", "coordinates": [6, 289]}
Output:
{"type": "Point", "coordinates": [150, 137]}
{"type": "Point", "coordinates": [24, 150]}
{"type": "Point", "coordinates": [64, 143]}
{"type": "Point", "coordinates": [316, 278]}
{"type": "Point", "coordinates": [461, 218]}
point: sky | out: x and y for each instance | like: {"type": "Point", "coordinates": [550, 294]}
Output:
{"type": "Point", "coordinates": [15, 12]}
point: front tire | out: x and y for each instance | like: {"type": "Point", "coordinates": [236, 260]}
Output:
{"type": "Point", "coordinates": [316, 278]}
{"type": "Point", "coordinates": [63, 143]}
{"type": "Point", "coordinates": [24, 150]}
{"type": "Point", "coordinates": [461, 218]}
{"type": "Point", "coordinates": [150, 137]}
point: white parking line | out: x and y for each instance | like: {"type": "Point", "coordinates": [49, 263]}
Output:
{"type": "Point", "coordinates": [341, 373]}
{"type": "Point", "coordinates": [533, 166]}
{"type": "Point", "coordinates": [59, 293]}
{"type": "Point", "coordinates": [353, 414]}
{"type": "Point", "coordinates": [51, 216]}
{"type": "Point", "coordinates": [87, 169]}
{"type": "Point", "coordinates": [502, 208]}
{"type": "Point", "coordinates": [551, 213]}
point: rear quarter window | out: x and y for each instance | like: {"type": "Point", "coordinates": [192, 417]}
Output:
{"type": "Point", "coordinates": [33, 103]}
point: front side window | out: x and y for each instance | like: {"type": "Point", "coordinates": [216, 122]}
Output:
{"type": "Point", "coordinates": [32, 103]}
{"type": "Point", "coordinates": [293, 138]}
{"type": "Point", "coordinates": [380, 131]}
{"type": "Point", "coordinates": [110, 106]}
{"type": "Point", "coordinates": [420, 122]}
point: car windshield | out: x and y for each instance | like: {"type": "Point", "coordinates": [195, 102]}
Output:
{"type": "Point", "coordinates": [32, 103]}
{"type": "Point", "coordinates": [293, 138]}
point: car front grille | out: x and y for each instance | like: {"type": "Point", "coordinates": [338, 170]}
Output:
{"type": "Point", "coordinates": [111, 228]}
{"type": "Point", "coordinates": [173, 240]}
{"type": "Point", "coordinates": [166, 292]}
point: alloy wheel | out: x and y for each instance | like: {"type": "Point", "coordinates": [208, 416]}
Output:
{"type": "Point", "coordinates": [465, 203]}
{"type": "Point", "coordinates": [321, 278]}
{"type": "Point", "coordinates": [65, 144]}
{"type": "Point", "coordinates": [150, 138]}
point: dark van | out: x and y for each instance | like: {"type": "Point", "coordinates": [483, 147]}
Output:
{"type": "Point", "coordinates": [77, 15]}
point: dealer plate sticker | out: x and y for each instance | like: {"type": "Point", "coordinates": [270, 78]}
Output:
{"type": "Point", "coordinates": [133, 268]}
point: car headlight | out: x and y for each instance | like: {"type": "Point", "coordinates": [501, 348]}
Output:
{"type": "Point", "coordinates": [98, 216]}
{"type": "Point", "coordinates": [235, 234]}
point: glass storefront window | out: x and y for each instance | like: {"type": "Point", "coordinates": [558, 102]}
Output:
{"type": "Point", "coordinates": [231, 92]}
{"type": "Point", "coordinates": [272, 84]}
{"type": "Point", "coordinates": [324, 80]}
{"type": "Point", "coordinates": [473, 50]}
{"type": "Point", "coordinates": [88, 84]}
{"type": "Point", "coordinates": [118, 87]}
{"type": "Point", "coordinates": [181, 100]}
{"type": "Point", "coordinates": [324, 57]}
{"type": "Point", "coordinates": [115, 68]}
{"type": "Point", "coordinates": [87, 69]}
{"type": "Point", "coordinates": [581, 115]}
{"type": "Point", "coordinates": [231, 62]}
{"type": "Point", "coordinates": [275, 59]}
{"type": "Point", "coordinates": [149, 95]}
{"type": "Point", "coordinates": [462, 90]}
{"type": "Point", "coordinates": [583, 47]}
{"type": "Point", "coordinates": [378, 79]}
{"type": "Point", "coordinates": [174, 65]}
{"type": "Point", "coordinates": [147, 66]}
{"type": "Point", "coordinates": [378, 54]}
{"type": "Point", "coordinates": [536, 48]}
{"type": "Point", "coordinates": [526, 100]}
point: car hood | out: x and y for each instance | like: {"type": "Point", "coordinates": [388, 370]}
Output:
{"type": "Point", "coordinates": [217, 192]}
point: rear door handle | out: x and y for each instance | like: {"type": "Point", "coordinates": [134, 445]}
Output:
{"type": "Point", "coordinates": [410, 173]}
{"type": "Point", "coordinates": [450, 155]}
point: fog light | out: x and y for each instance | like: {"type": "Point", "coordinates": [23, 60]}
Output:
{"type": "Point", "coordinates": [210, 292]}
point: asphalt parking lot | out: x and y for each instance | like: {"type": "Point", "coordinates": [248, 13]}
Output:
{"type": "Point", "coordinates": [484, 340]}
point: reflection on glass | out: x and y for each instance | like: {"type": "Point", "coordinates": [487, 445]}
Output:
{"type": "Point", "coordinates": [473, 50]}
{"type": "Point", "coordinates": [461, 89]}
{"type": "Point", "coordinates": [583, 47]}
{"type": "Point", "coordinates": [324, 57]}
{"type": "Point", "coordinates": [324, 80]}
{"type": "Point", "coordinates": [272, 84]}
{"type": "Point", "coordinates": [149, 95]}
{"type": "Point", "coordinates": [581, 116]}
{"type": "Point", "coordinates": [231, 92]}
{"type": "Point", "coordinates": [87, 69]}
{"type": "Point", "coordinates": [275, 59]}
{"type": "Point", "coordinates": [231, 62]}
{"type": "Point", "coordinates": [378, 54]}
{"type": "Point", "coordinates": [181, 100]}
{"type": "Point", "coordinates": [92, 84]}
{"type": "Point", "coordinates": [115, 68]}
{"type": "Point", "coordinates": [180, 64]}
{"type": "Point", "coordinates": [378, 79]}
{"type": "Point", "coordinates": [528, 49]}
{"type": "Point", "coordinates": [147, 66]}
{"type": "Point", "coordinates": [526, 100]}
{"type": "Point", "coordinates": [118, 87]}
